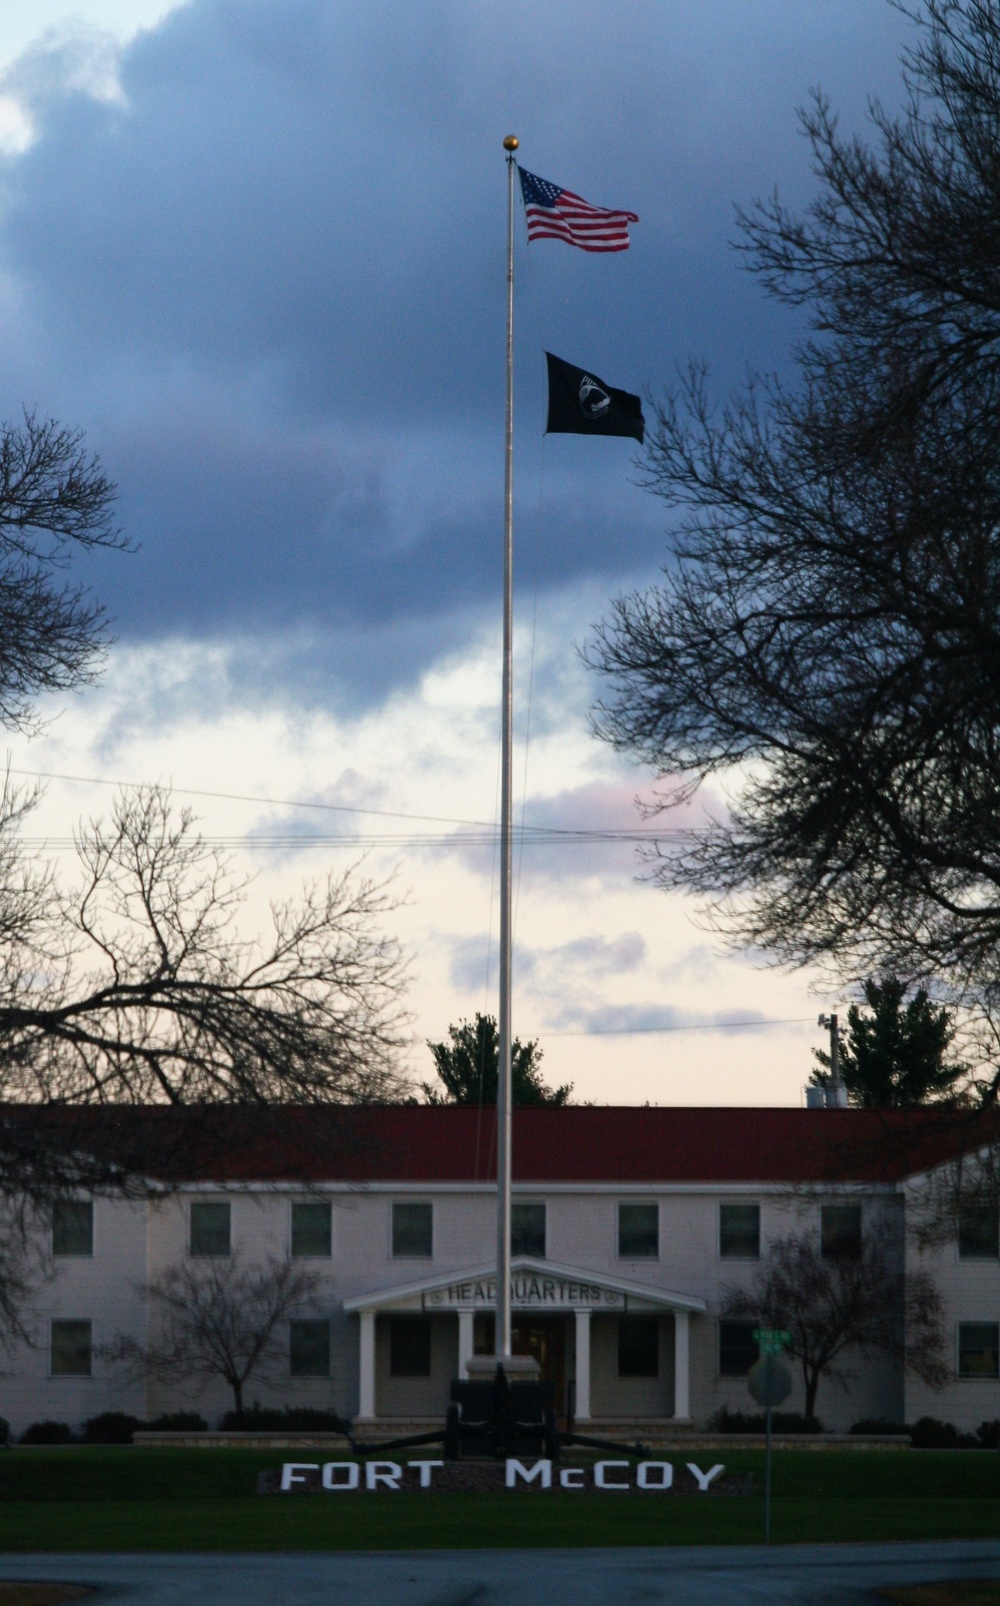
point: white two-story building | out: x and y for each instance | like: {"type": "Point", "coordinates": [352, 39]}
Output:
{"type": "Point", "coordinates": [629, 1224]}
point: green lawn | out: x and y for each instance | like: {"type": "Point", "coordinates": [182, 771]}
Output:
{"type": "Point", "coordinates": [955, 1594]}
{"type": "Point", "coordinates": [151, 1499]}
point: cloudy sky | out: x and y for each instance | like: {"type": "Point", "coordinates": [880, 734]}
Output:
{"type": "Point", "coordinates": [255, 249]}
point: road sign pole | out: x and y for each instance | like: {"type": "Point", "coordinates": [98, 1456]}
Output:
{"type": "Point", "coordinates": [770, 1383]}
{"type": "Point", "coordinates": [767, 1452]}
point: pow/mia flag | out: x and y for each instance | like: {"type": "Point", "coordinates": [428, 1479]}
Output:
{"type": "Point", "coordinates": [582, 404]}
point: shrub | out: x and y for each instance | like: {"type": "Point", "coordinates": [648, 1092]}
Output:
{"type": "Point", "coordinates": [4, 1430]}
{"type": "Point", "coordinates": [179, 1422]}
{"type": "Point", "coordinates": [878, 1424]}
{"type": "Point", "coordinates": [725, 1421]}
{"type": "Point", "coordinates": [795, 1422]}
{"type": "Point", "coordinates": [988, 1434]}
{"type": "Point", "coordinates": [930, 1434]}
{"type": "Point", "coordinates": [111, 1427]}
{"type": "Point", "coordinates": [48, 1433]}
{"type": "Point", "coordinates": [290, 1420]}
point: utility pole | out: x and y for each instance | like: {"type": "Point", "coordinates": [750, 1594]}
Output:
{"type": "Point", "coordinates": [837, 1095]}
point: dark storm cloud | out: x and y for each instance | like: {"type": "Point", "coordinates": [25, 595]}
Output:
{"type": "Point", "coordinates": [548, 973]}
{"type": "Point", "coordinates": [269, 283]}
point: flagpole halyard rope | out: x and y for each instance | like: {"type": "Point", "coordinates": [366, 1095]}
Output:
{"type": "Point", "coordinates": [528, 700]}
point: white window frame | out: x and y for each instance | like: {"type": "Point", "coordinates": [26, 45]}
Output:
{"type": "Point", "coordinates": [71, 1377]}
{"type": "Point", "coordinates": [93, 1233]}
{"type": "Point", "coordinates": [974, 1321]}
{"type": "Point", "coordinates": [323, 1255]}
{"type": "Point", "coordinates": [739, 1260]}
{"type": "Point", "coordinates": [537, 1203]}
{"type": "Point", "coordinates": [189, 1251]}
{"type": "Point", "coordinates": [653, 1204]}
{"type": "Point", "coordinates": [392, 1210]}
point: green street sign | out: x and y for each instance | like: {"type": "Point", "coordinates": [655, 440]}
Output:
{"type": "Point", "coordinates": [771, 1340]}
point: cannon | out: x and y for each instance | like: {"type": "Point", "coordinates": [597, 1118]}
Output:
{"type": "Point", "coordinates": [501, 1418]}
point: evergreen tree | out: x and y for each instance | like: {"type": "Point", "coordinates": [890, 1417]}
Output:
{"type": "Point", "coordinates": [468, 1066]}
{"type": "Point", "coordinates": [895, 1054]}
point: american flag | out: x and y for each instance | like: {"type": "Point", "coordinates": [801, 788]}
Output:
{"type": "Point", "coordinates": [555, 214]}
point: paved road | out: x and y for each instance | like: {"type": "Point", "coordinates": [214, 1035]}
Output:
{"type": "Point", "coordinates": [709, 1576]}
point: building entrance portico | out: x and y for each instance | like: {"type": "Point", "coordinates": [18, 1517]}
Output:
{"type": "Point", "coordinates": [567, 1316]}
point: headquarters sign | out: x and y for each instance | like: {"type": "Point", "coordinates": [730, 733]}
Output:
{"type": "Point", "coordinates": [528, 1291]}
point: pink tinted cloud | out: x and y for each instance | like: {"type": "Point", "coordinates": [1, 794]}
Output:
{"type": "Point", "coordinates": [599, 829]}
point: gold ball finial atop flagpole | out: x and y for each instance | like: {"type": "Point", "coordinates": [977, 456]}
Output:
{"type": "Point", "coordinates": [511, 142]}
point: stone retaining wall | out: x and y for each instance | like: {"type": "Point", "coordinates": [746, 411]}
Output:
{"type": "Point", "coordinates": [627, 1433]}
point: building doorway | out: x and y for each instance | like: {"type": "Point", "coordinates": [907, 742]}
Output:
{"type": "Point", "coordinates": [544, 1337]}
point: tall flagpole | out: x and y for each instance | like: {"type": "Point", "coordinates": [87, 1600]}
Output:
{"type": "Point", "coordinates": [502, 1345]}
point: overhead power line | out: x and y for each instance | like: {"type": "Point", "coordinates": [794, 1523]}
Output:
{"type": "Point", "coordinates": [384, 840]}
{"type": "Point", "coordinates": [530, 833]}
{"type": "Point", "coordinates": [246, 797]}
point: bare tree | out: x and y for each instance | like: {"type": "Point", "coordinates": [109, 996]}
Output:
{"type": "Point", "coordinates": [55, 501]}
{"type": "Point", "coordinates": [825, 642]}
{"type": "Point", "coordinates": [832, 1304]}
{"type": "Point", "coordinates": [965, 1189]}
{"type": "Point", "coordinates": [219, 1319]}
{"type": "Point", "coordinates": [25, 1269]}
{"type": "Point", "coordinates": [896, 258]}
{"type": "Point", "coordinates": [137, 986]}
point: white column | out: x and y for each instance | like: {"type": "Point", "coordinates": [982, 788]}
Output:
{"type": "Point", "coordinates": [466, 1343]}
{"type": "Point", "coordinates": [366, 1370]}
{"type": "Point", "coordinates": [581, 1408]}
{"type": "Point", "coordinates": [682, 1366]}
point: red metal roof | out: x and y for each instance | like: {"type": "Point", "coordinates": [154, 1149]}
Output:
{"type": "Point", "coordinates": [586, 1144]}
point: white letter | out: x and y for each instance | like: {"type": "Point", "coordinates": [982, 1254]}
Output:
{"type": "Point", "coordinates": [665, 1470]}
{"type": "Point", "coordinates": [571, 1478]}
{"type": "Point", "coordinates": [387, 1472]}
{"type": "Point", "coordinates": [425, 1471]}
{"type": "Point", "coordinates": [541, 1470]}
{"type": "Point", "coordinates": [291, 1470]}
{"type": "Point", "coordinates": [703, 1479]}
{"type": "Point", "coordinates": [331, 1468]}
{"type": "Point", "coordinates": [601, 1482]}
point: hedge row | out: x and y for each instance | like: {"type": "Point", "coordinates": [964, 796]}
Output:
{"type": "Point", "coordinates": [115, 1427]}
{"type": "Point", "coordinates": [926, 1434]}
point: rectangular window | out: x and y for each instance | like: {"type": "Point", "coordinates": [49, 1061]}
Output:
{"type": "Point", "coordinates": [978, 1232]}
{"type": "Point", "coordinates": [71, 1349]}
{"type": "Point", "coordinates": [638, 1346]}
{"type": "Point", "coordinates": [413, 1231]}
{"type": "Point", "coordinates": [979, 1349]}
{"type": "Point", "coordinates": [527, 1230]}
{"type": "Point", "coordinates": [311, 1229]}
{"type": "Point", "coordinates": [409, 1346]}
{"type": "Point", "coordinates": [210, 1229]}
{"type": "Point", "coordinates": [638, 1231]}
{"type": "Point", "coordinates": [737, 1348]}
{"type": "Point", "coordinates": [840, 1231]}
{"type": "Point", "coordinates": [309, 1349]}
{"type": "Point", "coordinates": [73, 1227]}
{"type": "Point", "coordinates": [739, 1232]}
